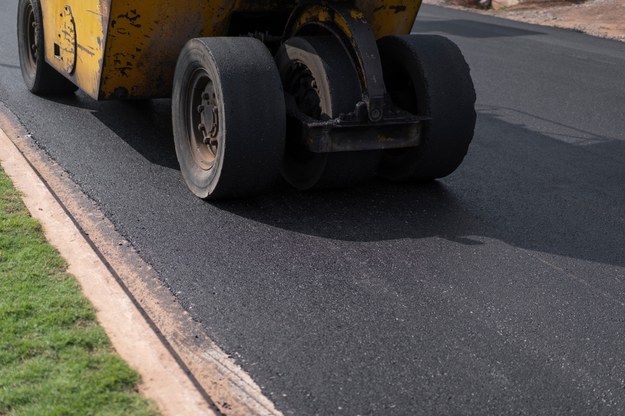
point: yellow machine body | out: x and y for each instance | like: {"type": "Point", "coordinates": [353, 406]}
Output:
{"type": "Point", "coordinates": [128, 48]}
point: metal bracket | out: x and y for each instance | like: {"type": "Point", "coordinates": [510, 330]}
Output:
{"type": "Point", "coordinates": [354, 132]}
{"type": "Point", "coordinates": [352, 29]}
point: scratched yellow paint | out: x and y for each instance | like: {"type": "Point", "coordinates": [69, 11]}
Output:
{"type": "Point", "coordinates": [129, 48]}
{"type": "Point", "coordinates": [90, 37]}
{"type": "Point", "coordinates": [145, 38]}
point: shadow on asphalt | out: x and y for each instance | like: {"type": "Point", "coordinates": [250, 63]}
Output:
{"type": "Point", "coordinates": [145, 125]}
{"type": "Point", "coordinates": [470, 29]}
{"type": "Point", "coordinates": [374, 211]}
{"type": "Point", "coordinates": [516, 185]}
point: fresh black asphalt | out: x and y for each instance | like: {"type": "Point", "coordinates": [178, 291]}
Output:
{"type": "Point", "coordinates": [498, 290]}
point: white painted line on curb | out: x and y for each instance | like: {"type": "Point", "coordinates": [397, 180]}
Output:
{"type": "Point", "coordinates": [164, 381]}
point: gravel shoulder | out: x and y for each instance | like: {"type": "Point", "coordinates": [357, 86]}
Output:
{"type": "Point", "coordinates": [601, 18]}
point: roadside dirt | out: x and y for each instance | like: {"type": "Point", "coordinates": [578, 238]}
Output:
{"type": "Point", "coordinates": [601, 18]}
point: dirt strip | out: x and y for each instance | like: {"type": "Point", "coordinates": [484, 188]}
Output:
{"type": "Point", "coordinates": [183, 371]}
{"type": "Point", "coordinates": [601, 18]}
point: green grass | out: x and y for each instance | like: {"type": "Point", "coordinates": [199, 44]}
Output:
{"type": "Point", "coordinates": [54, 358]}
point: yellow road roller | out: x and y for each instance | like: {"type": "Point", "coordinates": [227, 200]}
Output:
{"type": "Point", "coordinates": [320, 93]}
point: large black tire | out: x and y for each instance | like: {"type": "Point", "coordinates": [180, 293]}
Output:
{"type": "Point", "coordinates": [231, 86]}
{"type": "Point", "coordinates": [40, 78]}
{"type": "Point", "coordinates": [319, 74]}
{"type": "Point", "coordinates": [428, 76]}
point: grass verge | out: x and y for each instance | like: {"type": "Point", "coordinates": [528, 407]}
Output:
{"type": "Point", "coordinates": [54, 358]}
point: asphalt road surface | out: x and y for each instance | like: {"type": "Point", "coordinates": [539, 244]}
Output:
{"type": "Point", "coordinates": [497, 290]}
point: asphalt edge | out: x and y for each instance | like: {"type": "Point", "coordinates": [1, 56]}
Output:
{"type": "Point", "coordinates": [213, 382]}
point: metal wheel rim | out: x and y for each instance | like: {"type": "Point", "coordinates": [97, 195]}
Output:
{"type": "Point", "coordinates": [204, 132]}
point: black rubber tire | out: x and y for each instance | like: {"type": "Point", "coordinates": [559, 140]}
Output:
{"type": "Point", "coordinates": [337, 91]}
{"type": "Point", "coordinates": [40, 78]}
{"type": "Point", "coordinates": [247, 104]}
{"type": "Point", "coordinates": [427, 75]}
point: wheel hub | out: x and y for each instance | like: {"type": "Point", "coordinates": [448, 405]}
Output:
{"type": "Point", "coordinates": [209, 115]}
{"type": "Point", "coordinates": [204, 116]}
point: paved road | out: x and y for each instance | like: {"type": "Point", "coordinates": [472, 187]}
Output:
{"type": "Point", "coordinates": [498, 290]}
